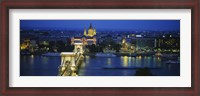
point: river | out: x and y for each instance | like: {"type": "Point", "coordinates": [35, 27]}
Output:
{"type": "Point", "coordinates": [98, 66]}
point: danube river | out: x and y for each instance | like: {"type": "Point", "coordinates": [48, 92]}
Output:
{"type": "Point", "coordinates": [99, 66]}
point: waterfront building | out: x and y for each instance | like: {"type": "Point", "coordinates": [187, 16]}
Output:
{"type": "Point", "coordinates": [168, 43]}
{"type": "Point", "coordinates": [84, 40]}
{"type": "Point", "coordinates": [126, 47]}
{"type": "Point", "coordinates": [25, 44]}
{"type": "Point", "coordinates": [144, 43]}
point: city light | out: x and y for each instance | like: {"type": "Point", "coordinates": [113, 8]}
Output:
{"type": "Point", "coordinates": [125, 61]}
{"type": "Point", "coordinates": [100, 48]}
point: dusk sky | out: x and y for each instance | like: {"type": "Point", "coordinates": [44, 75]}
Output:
{"type": "Point", "coordinates": [164, 25]}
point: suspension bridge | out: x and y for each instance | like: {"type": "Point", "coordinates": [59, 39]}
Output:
{"type": "Point", "coordinates": [70, 61]}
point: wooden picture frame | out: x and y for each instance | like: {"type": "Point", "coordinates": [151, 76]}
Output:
{"type": "Point", "coordinates": [99, 4]}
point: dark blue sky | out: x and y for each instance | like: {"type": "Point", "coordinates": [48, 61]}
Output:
{"type": "Point", "coordinates": [164, 25]}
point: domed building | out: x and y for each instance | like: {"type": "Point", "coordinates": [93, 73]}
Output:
{"type": "Point", "coordinates": [88, 38]}
{"type": "Point", "coordinates": [91, 31]}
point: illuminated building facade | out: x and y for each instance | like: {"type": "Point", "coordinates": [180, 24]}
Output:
{"type": "Point", "coordinates": [25, 44]}
{"type": "Point", "coordinates": [87, 39]}
{"type": "Point", "coordinates": [84, 40]}
{"type": "Point", "coordinates": [145, 43]}
{"type": "Point", "coordinates": [126, 47]}
{"type": "Point", "coordinates": [91, 31]}
{"type": "Point", "coordinates": [168, 43]}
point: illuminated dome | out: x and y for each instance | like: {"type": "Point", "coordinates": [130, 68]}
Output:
{"type": "Point", "coordinates": [91, 31]}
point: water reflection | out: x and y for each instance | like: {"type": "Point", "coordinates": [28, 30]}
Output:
{"type": "Point", "coordinates": [87, 59]}
{"type": "Point", "coordinates": [39, 65]}
{"type": "Point", "coordinates": [31, 59]}
{"type": "Point", "coordinates": [98, 66]}
{"type": "Point", "coordinates": [109, 62]}
{"type": "Point", "coordinates": [125, 61]}
{"type": "Point", "coordinates": [123, 66]}
{"type": "Point", "coordinates": [138, 61]}
{"type": "Point", "coordinates": [45, 60]}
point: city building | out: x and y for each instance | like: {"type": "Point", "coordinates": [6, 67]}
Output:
{"type": "Point", "coordinates": [25, 44]}
{"type": "Point", "coordinates": [91, 31]}
{"type": "Point", "coordinates": [84, 40]}
{"type": "Point", "coordinates": [87, 38]}
{"type": "Point", "coordinates": [126, 47]}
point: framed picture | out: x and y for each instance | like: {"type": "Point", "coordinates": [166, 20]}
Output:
{"type": "Point", "coordinates": [100, 47]}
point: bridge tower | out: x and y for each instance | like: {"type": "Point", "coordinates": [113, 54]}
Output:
{"type": "Point", "coordinates": [79, 47]}
{"type": "Point", "coordinates": [71, 60]}
{"type": "Point", "coordinates": [68, 64]}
